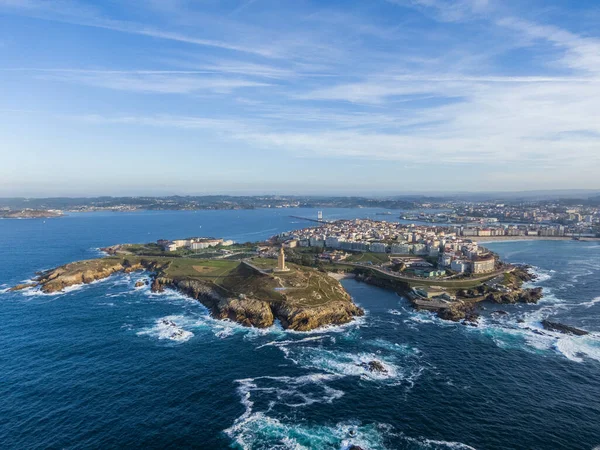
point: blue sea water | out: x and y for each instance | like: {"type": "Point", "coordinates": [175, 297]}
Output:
{"type": "Point", "coordinates": [95, 368]}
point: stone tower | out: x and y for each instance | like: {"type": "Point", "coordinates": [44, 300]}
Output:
{"type": "Point", "coordinates": [281, 261]}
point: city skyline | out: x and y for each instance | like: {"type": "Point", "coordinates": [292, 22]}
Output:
{"type": "Point", "coordinates": [390, 96]}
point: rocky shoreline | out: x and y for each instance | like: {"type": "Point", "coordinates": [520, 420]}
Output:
{"type": "Point", "coordinates": [247, 309]}
{"type": "Point", "coordinates": [464, 309]}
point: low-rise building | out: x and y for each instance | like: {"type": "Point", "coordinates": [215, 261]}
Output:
{"type": "Point", "coordinates": [483, 264]}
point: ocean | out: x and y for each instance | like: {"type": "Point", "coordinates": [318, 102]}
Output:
{"type": "Point", "coordinates": [94, 367]}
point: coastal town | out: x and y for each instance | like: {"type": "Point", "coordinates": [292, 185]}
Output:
{"type": "Point", "coordinates": [431, 252]}
{"type": "Point", "coordinates": [294, 276]}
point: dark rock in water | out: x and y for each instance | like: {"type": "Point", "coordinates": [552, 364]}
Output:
{"type": "Point", "coordinates": [374, 366]}
{"type": "Point", "coordinates": [355, 447]}
{"type": "Point", "coordinates": [500, 313]}
{"type": "Point", "coordinates": [458, 311]}
{"type": "Point", "coordinates": [520, 321]}
{"type": "Point", "coordinates": [139, 284]}
{"type": "Point", "coordinates": [565, 329]}
{"type": "Point", "coordinates": [157, 286]}
{"type": "Point", "coordinates": [516, 296]}
{"type": "Point", "coordinates": [20, 287]}
{"type": "Point", "coordinates": [471, 319]}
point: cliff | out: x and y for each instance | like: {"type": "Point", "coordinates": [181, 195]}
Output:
{"type": "Point", "coordinates": [302, 299]}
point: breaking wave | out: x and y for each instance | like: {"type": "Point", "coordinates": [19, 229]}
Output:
{"type": "Point", "coordinates": [169, 327]}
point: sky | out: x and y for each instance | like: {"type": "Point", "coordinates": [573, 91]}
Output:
{"type": "Point", "coordinates": [161, 97]}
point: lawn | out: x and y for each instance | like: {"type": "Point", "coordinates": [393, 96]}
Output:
{"type": "Point", "coordinates": [375, 258]}
{"type": "Point", "coordinates": [207, 270]}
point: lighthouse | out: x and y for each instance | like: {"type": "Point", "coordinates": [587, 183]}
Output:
{"type": "Point", "coordinates": [281, 261]}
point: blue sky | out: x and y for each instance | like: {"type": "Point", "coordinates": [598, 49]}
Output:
{"type": "Point", "coordinates": [271, 96]}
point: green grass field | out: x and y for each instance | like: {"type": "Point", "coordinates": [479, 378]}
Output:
{"type": "Point", "coordinates": [375, 258]}
{"type": "Point", "coordinates": [205, 269]}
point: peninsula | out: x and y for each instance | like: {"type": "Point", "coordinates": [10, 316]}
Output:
{"type": "Point", "coordinates": [30, 214]}
{"type": "Point", "coordinates": [251, 291]}
{"type": "Point", "coordinates": [253, 284]}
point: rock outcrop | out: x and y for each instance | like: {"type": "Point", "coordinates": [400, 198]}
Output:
{"type": "Point", "coordinates": [561, 328]}
{"type": "Point", "coordinates": [532, 295]}
{"type": "Point", "coordinates": [245, 307]}
{"type": "Point", "coordinates": [305, 318]}
{"type": "Point", "coordinates": [83, 272]}
{"type": "Point", "coordinates": [20, 287]}
{"type": "Point", "coordinates": [374, 366]}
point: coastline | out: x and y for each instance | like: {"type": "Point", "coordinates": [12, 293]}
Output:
{"type": "Point", "coordinates": [486, 239]}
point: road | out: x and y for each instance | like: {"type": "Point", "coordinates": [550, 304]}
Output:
{"type": "Point", "coordinates": [414, 280]}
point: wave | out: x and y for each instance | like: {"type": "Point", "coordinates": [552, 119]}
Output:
{"type": "Point", "coordinates": [346, 364]}
{"type": "Point", "coordinates": [168, 327]}
{"type": "Point", "coordinates": [436, 444]}
{"type": "Point", "coordinates": [579, 348]}
{"type": "Point", "coordinates": [269, 402]}
{"type": "Point", "coordinates": [260, 426]}
{"type": "Point", "coordinates": [530, 335]}
{"type": "Point", "coordinates": [591, 303]}
{"type": "Point", "coordinates": [541, 275]}
{"type": "Point", "coordinates": [290, 342]}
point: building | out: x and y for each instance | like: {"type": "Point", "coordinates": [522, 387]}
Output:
{"type": "Point", "coordinates": [281, 267]}
{"type": "Point", "coordinates": [332, 242]}
{"type": "Point", "coordinates": [400, 249]}
{"type": "Point", "coordinates": [378, 247]}
{"type": "Point", "coordinates": [460, 266]}
{"type": "Point", "coordinates": [483, 264]}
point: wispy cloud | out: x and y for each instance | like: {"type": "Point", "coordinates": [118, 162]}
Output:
{"type": "Point", "coordinates": [319, 82]}
{"type": "Point", "coordinates": [581, 53]}
{"type": "Point", "coordinates": [448, 10]}
{"type": "Point", "coordinates": [75, 13]}
{"type": "Point", "coordinates": [151, 81]}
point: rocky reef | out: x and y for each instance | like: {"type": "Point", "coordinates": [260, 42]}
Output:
{"type": "Point", "coordinates": [530, 295]}
{"type": "Point", "coordinates": [561, 328]}
{"type": "Point", "coordinates": [302, 300]}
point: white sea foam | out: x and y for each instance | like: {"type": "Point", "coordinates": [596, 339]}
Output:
{"type": "Point", "coordinates": [36, 291]}
{"type": "Point", "coordinates": [578, 348]}
{"type": "Point", "coordinates": [436, 444]}
{"type": "Point", "coordinates": [168, 327]}
{"type": "Point", "coordinates": [427, 317]}
{"type": "Point", "coordinates": [291, 342]}
{"type": "Point", "coordinates": [350, 364]}
{"type": "Point", "coordinates": [591, 303]}
{"type": "Point", "coordinates": [541, 275]}
{"type": "Point", "coordinates": [264, 426]}
{"type": "Point", "coordinates": [530, 335]}
{"type": "Point", "coordinates": [259, 428]}
{"type": "Point", "coordinates": [395, 312]}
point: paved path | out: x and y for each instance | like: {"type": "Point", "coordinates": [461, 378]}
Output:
{"type": "Point", "coordinates": [417, 279]}
{"type": "Point", "coordinates": [252, 266]}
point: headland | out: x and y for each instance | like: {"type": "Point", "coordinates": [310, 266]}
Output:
{"type": "Point", "coordinates": [30, 214]}
{"type": "Point", "coordinates": [290, 280]}
{"type": "Point", "coordinates": [249, 291]}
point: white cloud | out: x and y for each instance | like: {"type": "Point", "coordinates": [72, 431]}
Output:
{"type": "Point", "coordinates": [448, 10]}
{"type": "Point", "coordinates": [164, 82]}
{"type": "Point", "coordinates": [73, 12]}
{"type": "Point", "coordinates": [581, 53]}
